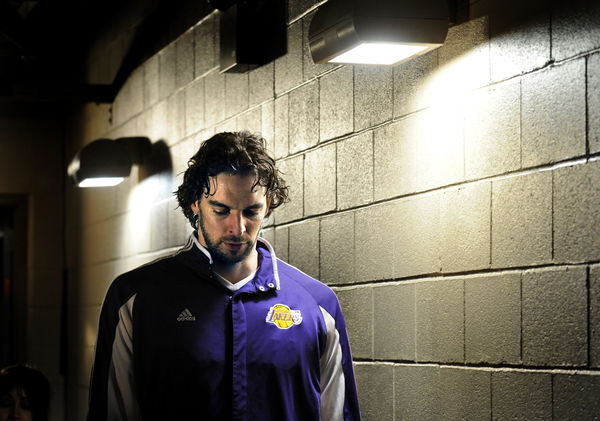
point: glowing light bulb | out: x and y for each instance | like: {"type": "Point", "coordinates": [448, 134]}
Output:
{"type": "Point", "coordinates": [378, 53]}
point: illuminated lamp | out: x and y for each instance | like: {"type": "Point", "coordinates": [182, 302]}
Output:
{"type": "Point", "coordinates": [106, 162]}
{"type": "Point", "coordinates": [377, 31]}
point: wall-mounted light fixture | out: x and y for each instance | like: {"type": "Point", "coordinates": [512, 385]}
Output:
{"type": "Point", "coordinates": [106, 162]}
{"type": "Point", "coordinates": [377, 31]}
{"type": "Point", "coordinates": [251, 33]}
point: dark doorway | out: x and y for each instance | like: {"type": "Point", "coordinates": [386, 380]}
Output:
{"type": "Point", "coordinates": [13, 276]}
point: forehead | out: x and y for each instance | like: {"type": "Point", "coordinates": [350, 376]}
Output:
{"type": "Point", "coordinates": [235, 188]}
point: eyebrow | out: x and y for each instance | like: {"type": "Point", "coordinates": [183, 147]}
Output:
{"type": "Point", "coordinates": [224, 206]}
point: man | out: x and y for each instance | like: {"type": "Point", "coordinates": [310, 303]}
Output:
{"type": "Point", "coordinates": [223, 330]}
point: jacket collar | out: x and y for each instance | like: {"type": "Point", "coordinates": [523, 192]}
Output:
{"type": "Point", "coordinates": [267, 276]}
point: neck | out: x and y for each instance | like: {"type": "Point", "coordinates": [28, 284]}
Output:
{"type": "Point", "coordinates": [238, 271]}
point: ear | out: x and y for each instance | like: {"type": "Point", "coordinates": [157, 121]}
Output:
{"type": "Point", "coordinates": [269, 210]}
{"type": "Point", "coordinates": [195, 207]}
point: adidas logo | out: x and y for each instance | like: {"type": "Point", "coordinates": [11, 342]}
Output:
{"type": "Point", "coordinates": [186, 316]}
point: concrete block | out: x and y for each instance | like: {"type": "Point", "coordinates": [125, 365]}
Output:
{"type": "Point", "coordinates": [267, 125]}
{"type": "Point", "coordinates": [206, 42]}
{"type": "Point", "coordinates": [520, 37]}
{"type": "Point", "coordinates": [194, 107]}
{"type": "Point", "coordinates": [575, 28]}
{"type": "Point", "coordinates": [250, 121]}
{"type": "Point", "coordinates": [373, 89]}
{"type": "Point", "coordinates": [553, 126]}
{"type": "Point", "coordinates": [440, 320]}
{"type": "Point", "coordinates": [440, 145]}
{"type": "Point", "coordinates": [175, 117]}
{"type": "Point", "coordinates": [159, 231]}
{"type": "Point", "coordinates": [309, 67]}
{"type": "Point", "coordinates": [465, 394]}
{"type": "Point", "coordinates": [493, 319]}
{"type": "Point", "coordinates": [167, 70]}
{"type": "Point", "coordinates": [576, 216]}
{"type": "Point", "coordinates": [394, 322]}
{"type": "Point", "coordinates": [299, 7]}
{"type": "Point", "coordinates": [304, 247]}
{"type": "Point", "coordinates": [281, 140]}
{"type": "Point", "coordinates": [130, 99]}
{"type": "Point", "coordinates": [236, 93]}
{"type": "Point", "coordinates": [417, 392]}
{"type": "Point", "coordinates": [465, 221]}
{"type": "Point", "coordinates": [260, 83]}
{"type": "Point", "coordinates": [229, 125]}
{"type": "Point", "coordinates": [357, 305]}
{"type": "Point", "coordinates": [135, 233]}
{"type": "Point", "coordinates": [293, 173]}
{"type": "Point", "coordinates": [93, 282]}
{"type": "Point", "coordinates": [575, 397]}
{"type": "Point", "coordinates": [337, 249]}
{"type": "Point", "coordinates": [493, 130]}
{"type": "Point", "coordinates": [99, 243]}
{"type": "Point", "coordinates": [151, 81]}
{"type": "Point", "coordinates": [96, 204]}
{"type": "Point", "coordinates": [179, 228]}
{"type": "Point", "coordinates": [412, 81]}
{"type": "Point", "coordinates": [372, 240]}
{"type": "Point", "coordinates": [521, 396]}
{"type": "Point", "coordinates": [269, 235]}
{"type": "Point", "coordinates": [336, 108]}
{"type": "Point", "coordinates": [304, 117]}
{"type": "Point", "coordinates": [593, 102]}
{"type": "Point", "coordinates": [464, 60]}
{"type": "Point", "coordinates": [395, 159]}
{"type": "Point", "coordinates": [184, 50]}
{"type": "Point", "coordinates": [375, 384]}
{"type": "Point", "coordinates": [594, 311]}
{"type": "Point", "coordinates": [288, 68]}
{"type": "Point", "coordinates": [416, 230]}
{"type": "Point", "coordinates": [282, 240]}
{"type": "Point", "coordinates": [522, 220]}
{"type": "Point", "coordinates": [355, 171]}
{"type": "Point", "coordinates": [555, 326]}
{"type": "Point", "coordinates": [214, 94]}
{"type": "Point", "coordinates": [319, 180]}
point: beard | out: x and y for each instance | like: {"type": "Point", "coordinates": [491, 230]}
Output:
{"type": "Point", "coordinates": [218, 250]}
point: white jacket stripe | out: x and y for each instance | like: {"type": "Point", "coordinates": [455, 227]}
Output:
{"type": "Point", "coordinates": [122, 404]}
{"type": "Point", "coordinates": [332, 374]}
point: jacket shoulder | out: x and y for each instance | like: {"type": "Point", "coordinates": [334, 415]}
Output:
{"type": "Point", "coordinates": [322, 294]}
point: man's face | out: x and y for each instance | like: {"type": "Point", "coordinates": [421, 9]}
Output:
{"type": "Point", "coordinates": [230, 219]}
{"type": "Point", "coordinates": [14, 405]}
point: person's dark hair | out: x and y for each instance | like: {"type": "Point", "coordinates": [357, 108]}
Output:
{"type": "Point", "coordinates": [34, 383]}
{"type": "Point", "coordinates": [231, 153]}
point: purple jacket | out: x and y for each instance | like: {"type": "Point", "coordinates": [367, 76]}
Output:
{"type": "Point", "coordinates": [174, 343]}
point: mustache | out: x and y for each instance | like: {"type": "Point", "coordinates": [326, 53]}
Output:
{"type": "Point", "coordinates": [235, 240]}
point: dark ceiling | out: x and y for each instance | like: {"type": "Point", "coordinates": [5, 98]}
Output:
{"type": "Point", "coordinates": [44, 44]}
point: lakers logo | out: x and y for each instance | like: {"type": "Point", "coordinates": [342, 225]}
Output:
{"type": "Point", "coordinates": [283, 317]}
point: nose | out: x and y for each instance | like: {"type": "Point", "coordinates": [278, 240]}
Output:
{"type": "Point", "coordinates": [235, 224]}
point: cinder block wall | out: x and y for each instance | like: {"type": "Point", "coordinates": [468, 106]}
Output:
{"type": "Point", "coordinates": [451, 201]}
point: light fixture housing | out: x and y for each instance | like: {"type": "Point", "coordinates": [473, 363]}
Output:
{"type": "Point", "coordinates": [106, 162]}
{"type": "Point", "coordinates": [377, 31]}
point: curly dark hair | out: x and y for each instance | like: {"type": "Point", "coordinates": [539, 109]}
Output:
{"type": "Point", "coordinates": [231, 153]}
{"type": "Point", "coordinates": [34, 383]}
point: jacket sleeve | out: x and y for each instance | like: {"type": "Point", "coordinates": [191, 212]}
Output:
{"type": "Point", "coordinates": [112, 386]}
{"type": "Point", "coordinates": [339, 399]}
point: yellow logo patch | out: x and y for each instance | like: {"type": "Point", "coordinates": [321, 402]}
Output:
{"type": "Point", "coordinates": [283, 317]}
